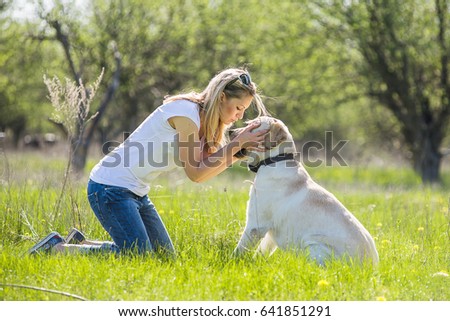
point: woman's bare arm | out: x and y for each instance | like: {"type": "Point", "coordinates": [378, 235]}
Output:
{"type": "Point", "coordinates": [198, 168]}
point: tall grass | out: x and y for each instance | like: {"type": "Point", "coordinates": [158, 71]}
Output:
{"type": "Point", "coordinates": [410, 224]}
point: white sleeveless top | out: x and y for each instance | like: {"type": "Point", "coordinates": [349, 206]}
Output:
{"type": "Point", "coordinates": [147, 152]}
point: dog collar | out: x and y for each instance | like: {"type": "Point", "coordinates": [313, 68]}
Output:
{"type": "Point", "coordinates": [270, 160]}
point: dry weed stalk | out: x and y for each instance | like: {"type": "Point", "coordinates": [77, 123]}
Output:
{"type": "Point", "coordinates": [71, 103]}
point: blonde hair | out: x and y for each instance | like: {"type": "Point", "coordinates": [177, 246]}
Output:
{"type": "Point", "coordinates": [228, 81]}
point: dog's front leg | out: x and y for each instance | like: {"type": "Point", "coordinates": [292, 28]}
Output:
{"type": "Point", "coordinates": [256, 225]}
{"type": "Point", "coordinates": [255, 228]}
{"type": "Point", "coordinates": [250, 237]}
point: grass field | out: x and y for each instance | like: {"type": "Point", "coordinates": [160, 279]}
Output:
{"type": "Point", "coordinates": [410, 223]}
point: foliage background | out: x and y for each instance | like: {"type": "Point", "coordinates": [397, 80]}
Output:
{"type": "Point", "coordinates": [312, 76]}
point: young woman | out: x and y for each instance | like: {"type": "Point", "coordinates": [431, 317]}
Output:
{"type": "Point", "coordinates": [187, 131]}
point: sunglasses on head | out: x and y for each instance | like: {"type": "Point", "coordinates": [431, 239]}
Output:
{"type": "Point", "coordinates": [244, 78]}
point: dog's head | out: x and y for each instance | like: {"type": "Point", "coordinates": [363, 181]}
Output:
{"type": "Point", "coordinates": [277, 141]}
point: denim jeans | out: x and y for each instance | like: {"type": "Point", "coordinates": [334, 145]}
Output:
{"type": "Point", "coordinates": [131, 220]}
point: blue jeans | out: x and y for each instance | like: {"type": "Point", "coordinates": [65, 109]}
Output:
{"type": "Point", "coordinates": [131, 220]}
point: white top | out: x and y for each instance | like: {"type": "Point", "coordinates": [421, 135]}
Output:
{"type": "Point", "coordinates": [147, 152]}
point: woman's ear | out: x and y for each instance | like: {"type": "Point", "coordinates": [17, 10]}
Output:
{"type": "Point", "coordinates": [222, 97]}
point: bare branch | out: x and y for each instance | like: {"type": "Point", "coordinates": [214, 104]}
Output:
{"type": "Point", "coordinates": [107, 97]}
{"type": "Point", "coordinates": [30, 287]}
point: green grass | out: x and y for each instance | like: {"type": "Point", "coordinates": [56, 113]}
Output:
{"type": "Point", "coordinates": [410, 224]}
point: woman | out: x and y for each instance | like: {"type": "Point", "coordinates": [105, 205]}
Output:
{"type": "Point", "coordinates": [187, 131]}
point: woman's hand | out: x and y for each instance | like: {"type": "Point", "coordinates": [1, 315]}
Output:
{"type": "Point", "coordinates": [249, 138]}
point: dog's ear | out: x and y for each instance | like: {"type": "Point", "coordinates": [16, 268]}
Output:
{"type": "Point", "coordinates": [276, 135]}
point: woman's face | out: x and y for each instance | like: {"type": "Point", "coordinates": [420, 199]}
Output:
{"type": "Point", "coordinates": [232, 109]}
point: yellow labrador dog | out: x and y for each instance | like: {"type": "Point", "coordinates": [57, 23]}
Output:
{"type": "Point", "coordinates": [287, 209]}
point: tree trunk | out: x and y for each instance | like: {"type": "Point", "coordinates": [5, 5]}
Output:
{"type": "Point", "coordinates": [427, 161]}
{"type": "Point", "coordinates": [80, 150]}
{"type": "Point", "coordinates": [79, 156]}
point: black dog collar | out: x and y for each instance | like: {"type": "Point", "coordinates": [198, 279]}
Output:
{"type": "Point", "coordinates": [270, 160]}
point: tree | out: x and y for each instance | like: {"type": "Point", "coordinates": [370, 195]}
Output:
{"type": "Point", "coordinates": [300, 68]}
{"type": "Point", "coordinates": [404, 50]}
{"type": "Point", "coordinates": [10, 117]}
{"type": "Point", "coordinates": [22, 103]}
{"type": "Point", "coordinates": [63, 32]}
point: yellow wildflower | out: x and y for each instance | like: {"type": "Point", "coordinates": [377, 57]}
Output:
{"type": "Point", "coordinates": [323, 284]}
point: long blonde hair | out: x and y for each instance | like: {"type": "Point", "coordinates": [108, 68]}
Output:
{"type": "Point", "coordinates": [228, 81]}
